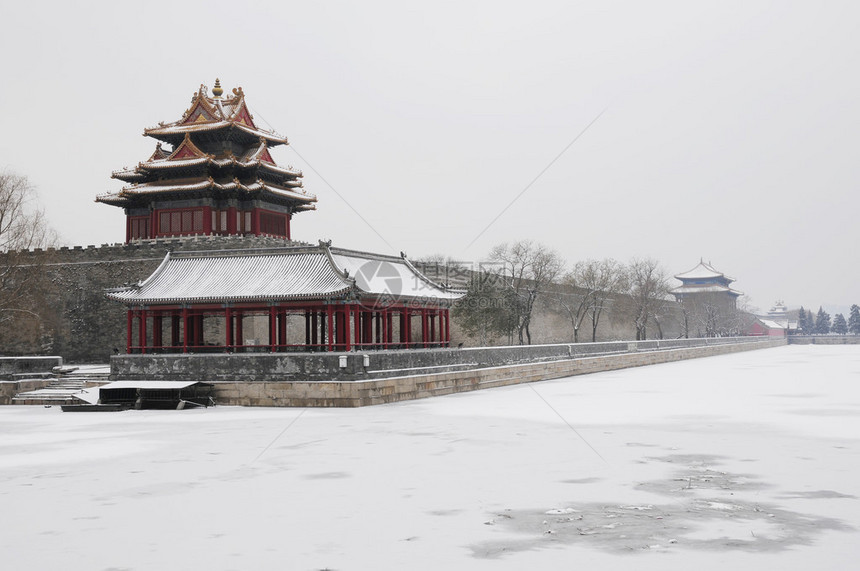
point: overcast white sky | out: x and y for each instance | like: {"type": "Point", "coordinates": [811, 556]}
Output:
{"type": "Point", "coordinates": [730, 130]}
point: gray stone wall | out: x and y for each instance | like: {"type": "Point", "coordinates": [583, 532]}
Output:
{"type": "Point", "coordinates": [380, 391]}
{"type": "Point", "coordinates": [824, 340]}
{"type": "Point", "coordinates": [11, 367]}
{"type": "Point", "coordinates": [318, 367]}
{"type": "Point", "coordinates": [8, 389]}
{"type": "Point", "coordinates": [79, 322]}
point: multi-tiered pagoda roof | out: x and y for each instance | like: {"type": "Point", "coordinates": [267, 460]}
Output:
{"type": "Point", "coordinates": [216, 171]}
{"type": "Point", "coordinates": [704, 279]}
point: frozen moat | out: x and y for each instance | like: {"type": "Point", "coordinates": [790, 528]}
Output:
{"type": "Point", "coordinates": [743, 461]}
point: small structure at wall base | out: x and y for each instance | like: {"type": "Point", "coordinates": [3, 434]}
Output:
{"type": "Point", "coordinates": [165, 395]}
{"type": "Point", "coordinates": [767, 327]}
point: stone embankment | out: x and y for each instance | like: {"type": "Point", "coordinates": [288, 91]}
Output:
{"type": "Point", "coordinates": [360, 379]}
{"type": "Point", "coordinates": [824, 340]}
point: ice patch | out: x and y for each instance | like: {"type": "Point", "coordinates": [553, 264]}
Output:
{"type": "Point", "coordinates": [561, 511]}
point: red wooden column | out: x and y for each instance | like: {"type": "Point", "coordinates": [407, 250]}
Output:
{"type": "Point", "coordinates": [439, 312]}
{"type": "Point", "coordinates": [153, 224]}
{"type": "Point", "coordinates": [228, 327]}
{"type": "Point", "coordinates": [207, 220]}
{"type": "Point", "coordinates": [347, 314]}
{"type": "Point", "coordinates": [273, 328]}
{"type": "Point", "coordinates": [231, 221]}
{"type": "Point", "coordinates": [185, 330]}
{"type": "Point", "coordinates": [424, 327]}
{"type": "Point", "coordinates": [240, 335]}
{"type": "Point", "coordinates": [340, 327]}
{"type": "Point", "coordinates": [329, 311]}
{"type": "Point", "coordinates": [128, 340]}
{"type": "Point", "coordinates": [356, 325]}
{"type": "Point", "coordinates": [367, 327]}
{"type": "Point", "coordinates": [157, 323]}
{"type": "Point", "coordinates": [441, 338]}
{"type": "Point", "coordinates": [282, 328]}
{"type": "Point", "coordinates": [174, 328]}
{"type": "Point", "coordinates": [447, 313]}
{"type": "Point", "coordinates": [431, 317]}
{"type": "Point", "coordinates": [289, 218]}
{"type": "Point", "coordinates": [141, 331]}
{"type": "Point", "coordinates": [407, 321]}
{"type": "Point", "coordinates": [307, 330]}
{"type": "Point", "coordinates": [192, 330]}
{"type": "Point", "coordinates": [387, 328]}
{"type": "Point", "coordinates": [377, 321]}
{"type": "Point", "coordinates": [314, 328]}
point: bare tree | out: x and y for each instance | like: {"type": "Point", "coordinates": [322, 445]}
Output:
{"type": "Point", "coordinates": [604, 280]}
{"type": "Point", "coordinates": [487, 311]}
{"type": "Point", "coordinates": [22, 227]}
{"type": "Point", "coordinates": [715, 314]}
{"type": "Point", "coordinates": [592, 285]}
{"type": "Point", "coordinates": [22, 223]}
{"type": "Point", "coordinates": [573, 301]}
{"type": "Point", "coordinates": [647, 290]}
{"type": "Point", "coordinates": [527, 269]}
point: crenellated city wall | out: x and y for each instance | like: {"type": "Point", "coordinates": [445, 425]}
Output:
{"type": "Point", "coordinates": [78, 321]}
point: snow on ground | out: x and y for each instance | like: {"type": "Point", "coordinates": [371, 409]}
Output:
{"type": "Point", "coordinates": [745, 461]}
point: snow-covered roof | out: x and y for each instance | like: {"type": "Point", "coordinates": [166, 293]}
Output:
{"type": "Point", "coordinates": [706, 288]}
{"type": "Point", "coordinates": [279, 274]}
{"type": "Point", "coordinates": [387, 275]}
{"type": "Point", "coordinates": [703, 271]}
{"type": "Point", "coordinates": [780, 323]}
{"type": "Point", "coordinates": [195, 163]}
{"type": "Point", "coordinates": [779, 309]}
{"type": "Point", "coordinates": [214, 113]}
{"type": "Point", "coordinates": [162, 164]}
{"type": "Point", "coordinates": [128, 192]}
{"type": "Point", "coordinates": [168, 131]}
{"type": "Point", "coordinates": [297, 273]}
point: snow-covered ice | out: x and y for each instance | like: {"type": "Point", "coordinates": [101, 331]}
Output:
{"type": "Point", "coordinates": [745, 461]}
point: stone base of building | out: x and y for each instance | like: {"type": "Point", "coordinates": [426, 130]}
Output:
{"type": "Point", "coordinates": [286, 380]}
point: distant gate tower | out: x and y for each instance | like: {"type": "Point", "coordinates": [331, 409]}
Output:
{"type": "Point", "coordinates": [218, 177]}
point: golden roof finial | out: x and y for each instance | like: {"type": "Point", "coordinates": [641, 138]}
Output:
{"type": "Point", "coordinates": [217, 91]}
